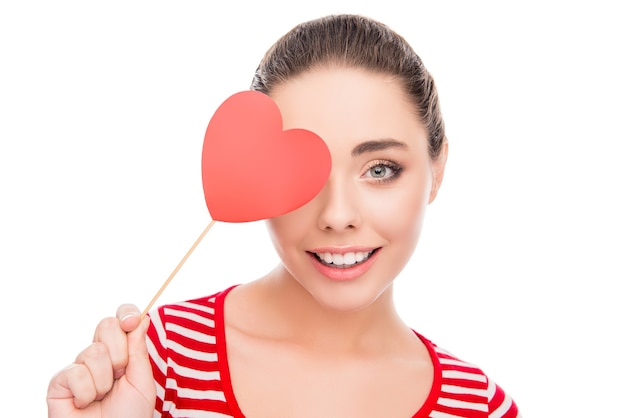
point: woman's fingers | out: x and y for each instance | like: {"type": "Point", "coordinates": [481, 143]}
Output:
{"type": "Point", "coordinates": [97, 360]}
{"type": "Point", "coordinates": [110, 334]}
{"type": "Point", "coordinates": [139, 369]}
{"type": "Point", "coordinates": [129, 316]}
{"type": "Point", "coordinates": [115, 367]}
{"type": "Point", "coordinates": [71, 387]}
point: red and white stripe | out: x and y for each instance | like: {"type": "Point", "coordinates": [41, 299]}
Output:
{"type": "Point", "coordinates": [186, 347]}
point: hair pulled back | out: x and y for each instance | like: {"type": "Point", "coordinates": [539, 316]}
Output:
{"type": "Point", "coordinates": [358, 42]}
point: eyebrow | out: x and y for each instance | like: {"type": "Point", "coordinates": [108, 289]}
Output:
{"type": "Point", "coordinates": [377, 145]}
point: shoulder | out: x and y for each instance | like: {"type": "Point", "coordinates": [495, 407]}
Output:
{"type": "Point", "coordinates": [186, 348]}
{"type": "Point", "coordinates": [464, 388]}
{"type": "Point", "coordinates": [193, 309]}
{"type": "Point", "coordinates": [192, 319]}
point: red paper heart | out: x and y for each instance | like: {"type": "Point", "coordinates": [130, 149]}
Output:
{"type": "Point", "coordinates": [251, 168]}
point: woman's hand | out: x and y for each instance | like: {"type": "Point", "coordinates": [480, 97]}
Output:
{"type": "Point", "coordinates": [110, 378]}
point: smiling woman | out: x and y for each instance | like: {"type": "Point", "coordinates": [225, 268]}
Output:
{"type": "Point", "coordinates": [319, 335]}
{"type": "Point", "coordinates": [351, 109]}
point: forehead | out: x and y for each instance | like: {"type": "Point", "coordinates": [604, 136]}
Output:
{"type": "Point", "coordinates": [348, 104]}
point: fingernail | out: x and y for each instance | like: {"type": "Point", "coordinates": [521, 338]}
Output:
{"type": "Point", "coordinates": [125, 317]}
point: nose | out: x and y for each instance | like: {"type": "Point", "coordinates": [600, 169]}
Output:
{"type": "Point", "coordinates": [338, 206]}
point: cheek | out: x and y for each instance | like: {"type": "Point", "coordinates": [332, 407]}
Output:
{"type": "Point", "coordinates": [399, 212]}
{"type": "Point", "coordinates": [288, 230]}
{"type": "Point", "coordinates": [276, 229]}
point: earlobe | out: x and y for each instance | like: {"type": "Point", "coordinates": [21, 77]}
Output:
{"type": "Point", "coordinates": [438, 167]}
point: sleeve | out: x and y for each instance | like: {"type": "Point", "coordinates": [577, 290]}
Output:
{"type": "Point", "coordinates": [156, 340]}
{"type": "Point", "coordinates": [501, 405]}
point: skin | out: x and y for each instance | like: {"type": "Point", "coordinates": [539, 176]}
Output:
{"type": "Point", "coordinates": [312, 336]}
{"type": "Point", "coordinates": [352, 329]}
{"type": "Point", "coordinates": [110, 378]}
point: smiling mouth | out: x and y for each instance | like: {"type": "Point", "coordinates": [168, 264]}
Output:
{"type": "Point", "coordinates": [345, 260]}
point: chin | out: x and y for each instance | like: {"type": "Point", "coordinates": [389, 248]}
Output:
{"type": "Point", "coordinates": [347, 296]}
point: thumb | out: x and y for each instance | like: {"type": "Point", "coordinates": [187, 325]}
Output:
{"type": "Point", "coordinates": [129, 316]}
{"type": "Point", "coordinates": [139, 369]}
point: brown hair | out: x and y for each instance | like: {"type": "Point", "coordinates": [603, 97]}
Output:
{"type": "Point", "coordinates": [359, 42]}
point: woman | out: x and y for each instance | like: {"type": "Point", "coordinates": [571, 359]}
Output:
{"type": "Point", "coordinates": [319, 335]}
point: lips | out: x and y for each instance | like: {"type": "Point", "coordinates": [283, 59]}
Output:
{"type": "Point", "coordinates": [345, 264]}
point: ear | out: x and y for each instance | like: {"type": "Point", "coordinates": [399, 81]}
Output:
{"type": "Point", "coordinates": [438, 167]}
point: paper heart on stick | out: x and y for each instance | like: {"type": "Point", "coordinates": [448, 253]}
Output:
{"type": "Point", "coordinates": [251, 168]}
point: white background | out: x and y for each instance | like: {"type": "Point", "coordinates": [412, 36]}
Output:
{"type": "Point", "coordinates": [103, 111]}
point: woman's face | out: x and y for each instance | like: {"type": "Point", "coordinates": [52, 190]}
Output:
{"type": "Point", "coordinates": [346, 246]}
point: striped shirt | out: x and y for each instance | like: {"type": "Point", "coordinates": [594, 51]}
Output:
{"type": "Point", "coordinates": [188, 356]}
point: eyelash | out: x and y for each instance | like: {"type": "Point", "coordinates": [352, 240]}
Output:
{"type": "Point", "coordinates": [395, 168]}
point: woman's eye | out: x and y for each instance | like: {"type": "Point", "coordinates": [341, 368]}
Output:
{"type": "Point", "coordinates": [383, 171]}
{"type": "Point", "coordinates": [379, 171]}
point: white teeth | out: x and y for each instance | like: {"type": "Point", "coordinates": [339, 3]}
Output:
{"type": "Point", "coordinates": [347, 259]}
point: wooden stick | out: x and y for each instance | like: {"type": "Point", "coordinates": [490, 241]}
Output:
{"type": "Point", "coordinates": [169, 279]}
